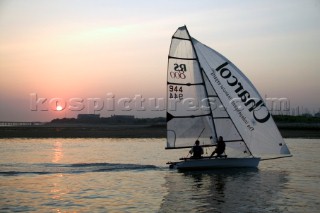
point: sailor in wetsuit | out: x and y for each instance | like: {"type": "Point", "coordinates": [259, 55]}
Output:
{"type": "Point", "coordinates": [196, 150]}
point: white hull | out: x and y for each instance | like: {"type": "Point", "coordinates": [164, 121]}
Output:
{"type": "Point", "coordinates": [205, 163]}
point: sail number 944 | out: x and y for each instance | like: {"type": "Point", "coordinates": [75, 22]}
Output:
{"type": "Point", "coordinates": [175, 92]}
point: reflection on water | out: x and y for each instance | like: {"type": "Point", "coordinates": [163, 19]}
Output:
{"type": "Point", "coordinates": [57, 152]}
{"type": "Point", "coordinates": [57, 191]}
{"type": "Point", "coordinates": [234, 190]}
{"type": "Point", "coordinates": [130, 175]}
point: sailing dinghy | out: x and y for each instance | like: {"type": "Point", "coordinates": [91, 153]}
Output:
{"type": "Point", "coordinates": [208, 97]}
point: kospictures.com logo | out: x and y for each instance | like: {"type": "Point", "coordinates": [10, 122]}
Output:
{"type": "Point", "coordinates": [138, 103]}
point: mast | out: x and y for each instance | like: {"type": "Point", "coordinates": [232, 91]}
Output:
{"type": "Point", "coordinates": [205, 88]}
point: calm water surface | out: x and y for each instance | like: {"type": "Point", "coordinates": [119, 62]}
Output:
{"type": "Point", "coordinates": [130, 175]}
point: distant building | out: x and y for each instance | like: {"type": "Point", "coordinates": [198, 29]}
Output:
{"type": "Point", "coordinates": [307, 115]}
{"type": "Point", "coordinates": [88, 117]}
{"type": "Point", "coordinates": [122, 118]}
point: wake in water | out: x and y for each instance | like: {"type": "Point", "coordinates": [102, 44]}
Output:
{"type": "Point", "coordinates": [49, 168]}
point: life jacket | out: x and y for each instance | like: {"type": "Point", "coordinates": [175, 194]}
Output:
{"type": "Point", "coordinates": [220, 147]}
{"type": "Point", "coordinates": [197, 151]}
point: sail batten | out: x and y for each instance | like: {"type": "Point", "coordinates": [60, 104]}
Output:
{"type": "Point", "coordinates": [187, 84]}
{"type": "Point", "coordinates": [192, 59]}
{"type": "Point", "coordinates": [175, 37]}
{"type": "Point", "coordinates": [191, 116]}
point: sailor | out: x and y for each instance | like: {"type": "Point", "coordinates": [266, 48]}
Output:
{"type": "Point", "coordinates": [196, 150]}
{"type": "Point", "coordinates": [221, 146]}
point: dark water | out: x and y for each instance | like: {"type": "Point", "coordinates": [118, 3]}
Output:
{"type": "Point", "coordinates": [130, 175]}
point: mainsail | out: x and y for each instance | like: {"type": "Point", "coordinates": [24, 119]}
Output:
{"type": "Point", "coordinates": [208, 97]}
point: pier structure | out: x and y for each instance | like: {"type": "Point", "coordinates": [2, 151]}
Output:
{"type": "Point", "coordinates": [19, 123]}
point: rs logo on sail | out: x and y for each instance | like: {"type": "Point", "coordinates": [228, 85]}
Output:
{"type": "Point", "coordinates": [179, 70]}
{"type": "Point", "coordinates": [260, 114]}
{"type": "Point", "coordinates": [180, 67]}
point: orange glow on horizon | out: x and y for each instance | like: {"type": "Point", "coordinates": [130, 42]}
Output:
{"type": "Point", "coordinates": [53, 52]}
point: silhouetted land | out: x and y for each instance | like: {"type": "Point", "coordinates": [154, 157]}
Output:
{"type": "Point", "coordinates": [81, 131]}
{"type": "Point", "coordinates": [289, 126]}
{"type": "Point", "coordinates": [298, 126]}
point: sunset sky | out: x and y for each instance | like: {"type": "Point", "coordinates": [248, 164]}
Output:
{"type": "Point", "coordinates": [102, 51]}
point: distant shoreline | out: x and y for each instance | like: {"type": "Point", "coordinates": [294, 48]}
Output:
{"type": "Point", "coordinates": [129, 131]}
{"type": "Point", "coordinates": [92, 131]}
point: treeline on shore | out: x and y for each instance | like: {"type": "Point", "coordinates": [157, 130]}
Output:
{"type": "Point", "coordinates": [279, 119]}
{"type": "Point", "coordinates": [289, 126]}
{"type": "Point", "coordinates": [295, 119]}
{"type": "Point", "coordinates": [125, 120]}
